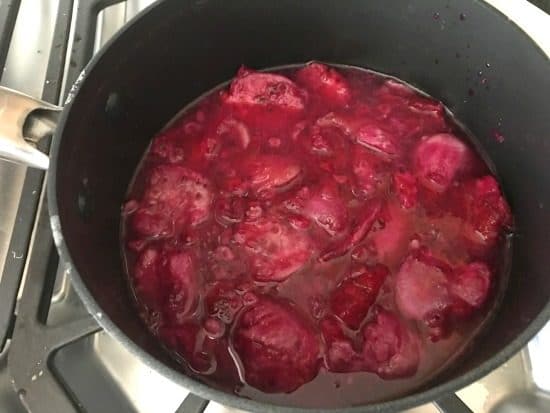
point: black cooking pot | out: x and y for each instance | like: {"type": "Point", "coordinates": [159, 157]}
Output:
{"type": "Point", "coordinates": [176, 50]}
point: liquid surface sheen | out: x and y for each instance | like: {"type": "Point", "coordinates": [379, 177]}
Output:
{"type": "Point", "coordinates": [317, 236]}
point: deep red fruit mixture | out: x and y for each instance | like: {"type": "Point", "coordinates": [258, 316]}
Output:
{"type": "Point", "coordinates": [310, 222]}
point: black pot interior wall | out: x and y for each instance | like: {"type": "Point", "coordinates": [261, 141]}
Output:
{"type": "Point", "coordinates": [462, 52]}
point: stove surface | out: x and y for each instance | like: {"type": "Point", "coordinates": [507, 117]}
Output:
{"type": "Point", "coordinates": [99, 373]}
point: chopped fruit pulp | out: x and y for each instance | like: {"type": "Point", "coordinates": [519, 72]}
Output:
{"type": "Point", "coordinates": [314, 226]}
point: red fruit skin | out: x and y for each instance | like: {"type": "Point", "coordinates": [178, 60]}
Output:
{"type": "Point", "coordinates": [372, 135]}
{"type": "Point", "coordinates": [390, 238]}
{"type": "Point", "coordinates": [340, 353]}
{"type": "Point", "coordinates": [275, 249]}
{"type": "Point", "coordinates": [469, 288]}
{"type": "Point", "coordinates": [430, 291]}
{"type": "Point", "coordinates": [370, 173]}
{"type": "Point", "coordinates": [326, 209]}
{"type": "Point", "coordinates": [390, 349]}
{"type": "Point", "coordinates": [181, 283]}
{"type": "Point", "coordinates": [404, 184]}
{"type": "Point", "coordinates": [265, 101]}
{"type": "Point", "coordinates": [326, 82]}
{"type": "Point", "coordinates": [267, 175]}
{"type": "Point", "coordinates": [174, 198]}
{"type": "Point", "coordinates": [266, 90]}
{"type": "Point", "coordinates": [422, 294]}
{"type": "Point", "coordinates": [485, 212]}
{"type": "Point", "coordinates": [277, 347]}
{"type": "Point", "coordinates": [408, 114]}
{"type": "Point", "coordinates": [439, 159]}
{"type": "Point", "coordinates": [353, 298]}
{"type": "Point", "coordinates": [360, 231]}
{"type": "Point", "coordinates": [146, 279]}
{"type": "Point", "coordinates": [167, 282]}
{"type": "Point", "coordinates": [222, 301]}
{"type": "Point", "coordinates": [168, 147]}
{"type": "Point", "coordinates": [421, 289]}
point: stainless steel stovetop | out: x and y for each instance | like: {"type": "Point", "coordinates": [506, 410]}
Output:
{"type": "Point", "coordinates": [46, 365]}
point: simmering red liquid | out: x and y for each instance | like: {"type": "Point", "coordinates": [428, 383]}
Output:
{"type": "Point", "coordinates": [316, 237]}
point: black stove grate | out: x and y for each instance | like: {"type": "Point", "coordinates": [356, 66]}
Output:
{"type": "Point", "coordinates": [8, 15]}
{"type": "Point", "coordinates": [27, 211]}
{"type": "Point", "coordinates": [32, 341]}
